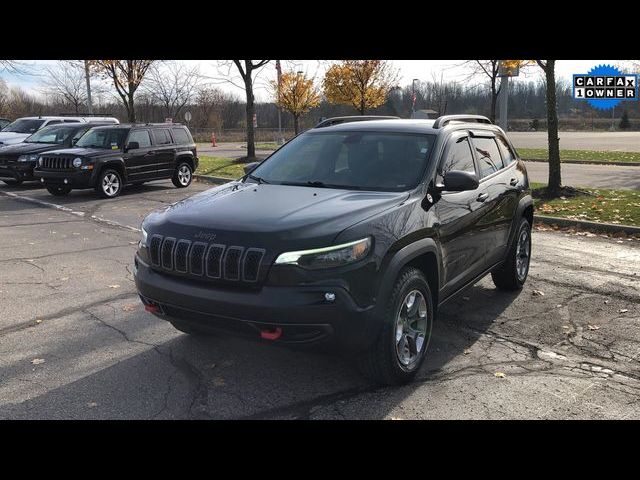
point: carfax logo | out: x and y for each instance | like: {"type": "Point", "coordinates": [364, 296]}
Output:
{"type": "Point", "coordinates": [605, 87]}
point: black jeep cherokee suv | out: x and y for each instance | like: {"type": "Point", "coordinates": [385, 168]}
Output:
{"type": "Point", "coordinates": [354, 233]}
{"type": "Point", "coordinates": [107, 158]}
{"type": "Point", "coordinates": [17, 162]}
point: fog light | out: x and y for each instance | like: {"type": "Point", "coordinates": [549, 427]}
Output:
{"type": "Point", "coordinates": [42, 180]}
{"type": "Point", "coordinates": [330, 297]}
{"type": "Point", "coordinates": [66, 181]}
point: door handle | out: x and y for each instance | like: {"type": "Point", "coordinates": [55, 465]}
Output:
{"type": "Point", "coordinates": [482, 197]}
{"type": "Point", "coordinates": [514, 182]}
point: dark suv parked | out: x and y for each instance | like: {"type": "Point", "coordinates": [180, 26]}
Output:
{"type": "Point", "coordinates": [18, 161]}
{"type": "Point", "coordinates": [355, 233]}
{"type": "Point", "coordinates": [107, 158]}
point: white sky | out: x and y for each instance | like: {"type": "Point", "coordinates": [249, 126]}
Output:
{"type": "Point", "coordinates": [408, 70]}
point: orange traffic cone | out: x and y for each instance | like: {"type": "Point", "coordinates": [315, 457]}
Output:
{"type": "Point", "coordinates": [213, 139]}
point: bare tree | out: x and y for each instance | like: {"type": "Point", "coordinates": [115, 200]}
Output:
{"type": "Point", "coordinates": [67, 83]}
{"type": "Point", "coordinates": [172, 85]}
{"type": "Point", "coordinates": [487, 70]}
{"type": "Point", "coordinates": [127, 75]}
{"type": "Point", "coordinates": [248, 70]}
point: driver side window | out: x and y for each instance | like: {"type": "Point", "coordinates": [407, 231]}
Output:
{"type": "Point", "coordinates": [459, 157]}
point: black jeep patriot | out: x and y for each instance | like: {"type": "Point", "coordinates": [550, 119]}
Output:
{"type": "Point", "coordinates": [18, 161]}
{"type": "Point", "coordinates": [354, 233]}
{"type": "Point", "coordinates": [107, 158]}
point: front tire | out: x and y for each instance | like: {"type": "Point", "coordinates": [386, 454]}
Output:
{"type": "Point", "coordinates": [183, 175]}
{"type": "Point", "coordinates": [513, 272]}
{"type": "Point", "coordinates": [109, 183]}
{"type": "Point", "coordinates": [58, 190]}
{"type": "Point", "coordinates": [401, 348]}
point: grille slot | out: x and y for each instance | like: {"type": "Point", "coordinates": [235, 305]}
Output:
{"type": "Point", "coordinates": [197, 258]}
{"type": "Point", "coordinates": [57, 163]}
{"type": "Point", "coordinates": [232, 263]}
{"type": "Point", "coordinates": [154, 249]}
{"type": "Point", "coordinates": [167, 253]}
{"type": "Point", "coordinates": [181, 255]}
{"type": "Point", "coordinates": [214, 260]}
{"type": "Point", "coordinates": [251, 264]}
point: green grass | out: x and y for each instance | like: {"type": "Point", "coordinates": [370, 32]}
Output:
{"type": "Point", "coordinates": [220, 167]}
{"type": "Point", "coordinates": [264, 146]}
{"type": "Point", "coordinates": [583, 155]}
{"type": "Point", "coordinates": [621, 207]}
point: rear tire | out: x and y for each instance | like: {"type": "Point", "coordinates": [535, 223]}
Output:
{"type": "Point", "coordinates": [14, 182]}
{"type": "Point", "coordinates": [189, 329]}
{"type": "Point", "coordinates": [58, 190]}
{"type": "Point", "coordinates": [513, 272]}
{"type": "Point", "coordinates": [109, 183]}
{"type": "Point", "coordinates": [401, 348]}
{"type": "Point", "coordinates": [183, 175]}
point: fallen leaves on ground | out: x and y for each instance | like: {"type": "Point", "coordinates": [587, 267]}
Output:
{"type": "Point", "coordinates": [129, 307]}
{"type": "Point", "coordinates": [623, 310]}
{"type": "Point", "coordinates": [500, 374]}
{"type": "Point", "coordinates": [537, 293]}
{"type": "Point", "coordinates": [467, 351]}
{"type": "Point", "coordinates": [114, 286]}
{"type": "Point", "coordinates": [37, 361]}
{"type": "Point", "coordinates": [593, 327]}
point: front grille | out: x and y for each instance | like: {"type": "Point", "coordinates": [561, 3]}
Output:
{"type": "Point", "coordinates": [212, 261]}
{"type": "Point", "coordinates": [57, 162]}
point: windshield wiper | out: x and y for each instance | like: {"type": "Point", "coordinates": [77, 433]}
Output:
{"type": "Point", "coordinates": [257, 179]}
{"type": "Point", "coordinates": [317, 183]}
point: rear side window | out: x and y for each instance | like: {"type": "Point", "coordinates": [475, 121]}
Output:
{"type": "Point", "coordinates": [162, 137]}
{"type": "Point", "coordinates": [489, 160]}
{"type": "Point", "coordinates": [181, 136]}
{"type": "Point", "coordinates": [53, 122]}
{"type": "Point", "coordinates": [507, 154]}
{"type": "Point", "coordinates": [71, 121]}
{"type": "Point", "coordinates": [459, 157]}
{"type": "Point", "coordinates": [142, 137]}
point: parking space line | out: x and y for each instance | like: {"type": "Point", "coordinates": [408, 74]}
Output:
{"type": "Point", "coordinates": [64, 209]}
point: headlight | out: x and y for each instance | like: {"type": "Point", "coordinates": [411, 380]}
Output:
{"type": "Point", "coordinates": [77, 162]}
{"type": "Point", "coordinates": [334, 256]}
{"type": "Point", "coordinates": [143, 240]}
{"type": "Point", "coordinates": [27, 158]}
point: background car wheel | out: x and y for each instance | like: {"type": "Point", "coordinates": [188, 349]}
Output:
{"type": "Point", "coordinates": [398, 353]}
{"type": "Point", "coordinates": [109, 183]}
{"type": "Point", "coordinates": [513, 272]}
{"type": "Point", "coordinates": [183, 175]}
{"type": "Point", "coordinates": [58, 190]}
{"type": "Point", "coordinates": [13, 182]}
{"type": "Point", "coordinates": [189, 329]}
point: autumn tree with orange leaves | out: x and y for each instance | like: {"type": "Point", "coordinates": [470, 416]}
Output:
{"type": "Point", "coordinates": [296, 94]}
{"type": "Point", "coordinates": [363, 84]}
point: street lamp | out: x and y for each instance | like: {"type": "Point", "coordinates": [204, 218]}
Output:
{"type": "Point", "coordinates": [413, 97]}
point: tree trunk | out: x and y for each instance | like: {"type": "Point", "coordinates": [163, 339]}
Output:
{"type": "Point", "coordinates": [296, 123]}
{"type": "Point", "coordinates": [555, 180]}
{"type": "Point", "coordinates": [250, 108]}
{"type": "Point", "coordinates": [494, 98]}
{"type": "Point", "coordinates": [131, 109]}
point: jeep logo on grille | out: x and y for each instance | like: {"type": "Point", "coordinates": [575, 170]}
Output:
{"type": "Point", "coordinates": [208, 237]}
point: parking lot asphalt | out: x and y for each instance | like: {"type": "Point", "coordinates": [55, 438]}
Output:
{"type": "Point", "coordinates": [75, 341]}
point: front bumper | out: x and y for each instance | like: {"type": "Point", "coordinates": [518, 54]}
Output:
{"type": "Point", "coordinates": [302, 313]}
{"type": "Point", "coordinates": [73, 178]}
{"type": "Point", "coordinates": [18, 170]}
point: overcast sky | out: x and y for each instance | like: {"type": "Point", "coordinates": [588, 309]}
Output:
{"type": "Point", "coordinates": [408, 70]}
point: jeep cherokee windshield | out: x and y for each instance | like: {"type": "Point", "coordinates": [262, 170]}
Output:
{"type": "Point", "coordinates": [349, 160]}
{"type": "Point", "coordinates": [57, 134]}
{"type": "Point", "coordinates": [107, 138]}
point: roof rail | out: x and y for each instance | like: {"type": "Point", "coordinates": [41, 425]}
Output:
{"type": "Point", "coordinates": [85, 115]}
{"type": "Point", "coordinates": [445, 119]}
{"type": "Point", "coordinates": [356, 118]}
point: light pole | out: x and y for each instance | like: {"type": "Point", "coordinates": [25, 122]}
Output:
{"type": "Point", "coordinates": [413, 97]}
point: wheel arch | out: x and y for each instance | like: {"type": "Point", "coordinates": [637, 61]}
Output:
{"type": "Point", "coordinates": [114, 164]}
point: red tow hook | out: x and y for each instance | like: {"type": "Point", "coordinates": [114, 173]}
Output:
{"type": "Point", "coordinates": [151, 308]}
{"type": "Point", "coordinates": [271, 334]}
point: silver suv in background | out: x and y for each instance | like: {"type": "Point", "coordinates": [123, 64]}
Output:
{"type": "Point", "coordinates": [18, 130]}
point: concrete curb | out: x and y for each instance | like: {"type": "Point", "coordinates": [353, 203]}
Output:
{"type": "Point", "coordinates": [213, 180]}
{"type": "Point", "coordinates": [587, 225]}
{"type": "Point", "coordinates": [586, 162]}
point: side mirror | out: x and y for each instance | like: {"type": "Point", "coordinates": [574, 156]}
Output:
{"type": "Point", "coordinates": [133, 146]}
{"type": "Point", "coordinates": [250, 167]}
{"type": "Point", "coordinates": [459, 181]}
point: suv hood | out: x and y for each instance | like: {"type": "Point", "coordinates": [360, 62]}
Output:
{"type": "Point", "coordinates": [9, 138]}
{"type": "Point", "coordinates": [276, 216]}
{"type": "Point", "coordinates": [85, 152]}
{"type": "Point", "coordinates": [25, 148]}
